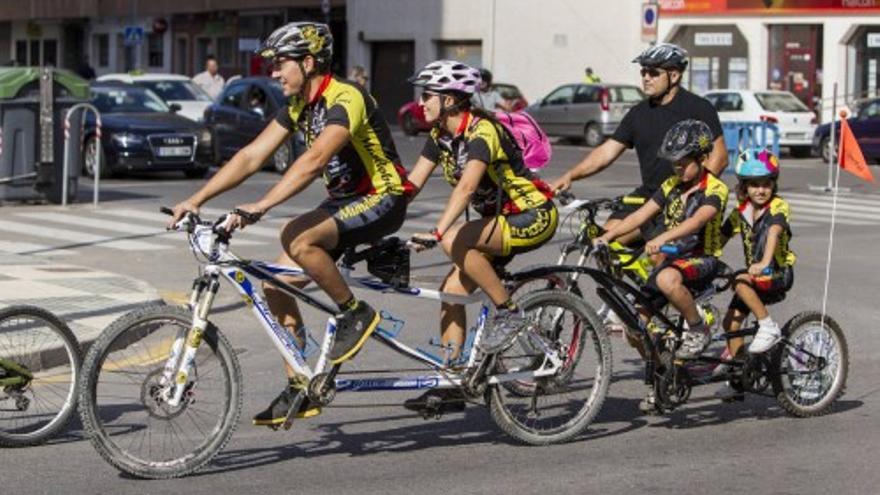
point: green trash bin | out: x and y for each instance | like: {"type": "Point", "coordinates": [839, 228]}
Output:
{"type": "Point", "coordinates": [32, 151]}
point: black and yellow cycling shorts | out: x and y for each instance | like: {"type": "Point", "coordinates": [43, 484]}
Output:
{"type": "Point", "coordinates": [770, 289]}
{"type": "Point", "coordinates": [528, 230]}
{"type": "Point", "coordinates": [696, 273]}
{"type": "Point", "coordinates": [364, 219]}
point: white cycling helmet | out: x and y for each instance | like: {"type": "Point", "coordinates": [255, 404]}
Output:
{"type": "Point", "coordinates": [448, 76]}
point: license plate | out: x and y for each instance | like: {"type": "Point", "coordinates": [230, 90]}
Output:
{"type": "Point", "coordinates": [175, 151]}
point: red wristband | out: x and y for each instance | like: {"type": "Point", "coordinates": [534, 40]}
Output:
{"type": "Point", "coordinates": [437, 235]}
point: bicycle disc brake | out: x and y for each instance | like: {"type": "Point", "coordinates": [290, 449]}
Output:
{"type": "Point", "coordinates": [756, 374]}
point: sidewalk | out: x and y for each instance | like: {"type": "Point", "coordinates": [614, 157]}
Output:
{"type": "Point", "coordinates": [87, 300]}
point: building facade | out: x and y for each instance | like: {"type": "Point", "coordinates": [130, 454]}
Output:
{"type": "Point", "coordinates": [802, 46]}
{"type": "Point", "coordinates": [153, 36]}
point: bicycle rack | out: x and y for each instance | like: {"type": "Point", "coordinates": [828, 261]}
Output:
{"type": "Point", "coordinates": [66, 170]}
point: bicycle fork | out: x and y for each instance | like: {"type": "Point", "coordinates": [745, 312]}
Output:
{"type": "Point", "coordinates": [183, 352]}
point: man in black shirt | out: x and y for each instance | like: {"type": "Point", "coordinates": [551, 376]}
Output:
{"type": "Point", "coordinates": [644, 126]}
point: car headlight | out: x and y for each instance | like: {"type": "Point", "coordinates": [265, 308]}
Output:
{"type": "Point", "coordinates": [205, 138]}
{"type": "Point", "coordinates": [127, 139]}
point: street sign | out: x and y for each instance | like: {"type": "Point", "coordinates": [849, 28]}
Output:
{"type": "Point", "coordinates": [650, 14]}
{"type": "Point", "coordinates": [133, 35]}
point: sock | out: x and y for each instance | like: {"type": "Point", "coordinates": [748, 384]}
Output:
{"type": "Point", "coordinates": [699, 325]}
{"type": "Point", "coordinates": [348, 305]}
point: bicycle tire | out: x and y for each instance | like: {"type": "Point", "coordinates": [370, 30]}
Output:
{"type": "Point", "coordinates": [502, 403]}
{"type": "Point", "coordinates": [788, 394]}
{"type": "Point", "coordinates": [36, 358]}
{"type": "Point", "coordinates": [133, 330]}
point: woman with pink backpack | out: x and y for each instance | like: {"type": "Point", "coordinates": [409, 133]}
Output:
{"type": "Point", "coordinates": [485, 164]}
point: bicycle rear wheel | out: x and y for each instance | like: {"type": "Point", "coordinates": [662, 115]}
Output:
{"type": "Point", "coordinates": [556, 408]}
{"type": "Point", "coordinates": [805, 384]}
{"type": "Point", "coordinates": [39, 366]}
{"type": "Point", "coordinates": [129, 423]}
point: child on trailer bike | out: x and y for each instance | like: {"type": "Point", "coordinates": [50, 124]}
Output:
{"type": "Point", "coordinates": [762, 219]}
{"type": "Point", "coordinates": [350, 144]}
{"type": "Point", "coordinates": [485, 167]}
{"type": "Point", "coordinates": [692, 205]}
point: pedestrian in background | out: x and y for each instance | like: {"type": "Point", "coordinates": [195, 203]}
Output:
{"type": "Point", "coordinates": [210, 80]}
{"type": "Point", "coordinates": [359, 75]}
{"type": "Point", "coordinates": [488, 97]}
{"type": "Point", "coordinates": [590, 77]}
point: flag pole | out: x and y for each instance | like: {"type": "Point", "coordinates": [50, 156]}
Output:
{"type": "Point", "coordinates": [830, 186]}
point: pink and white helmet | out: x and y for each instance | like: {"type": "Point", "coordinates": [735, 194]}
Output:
{"type": "Point", "coordinates": [448, 75]}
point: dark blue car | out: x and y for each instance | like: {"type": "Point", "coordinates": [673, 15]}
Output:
{"type": "Point", "coordinates": [140, 133]}
{"type": "Point", "coordinates": [865, 124]}
{"type": "Point", "coordinates": [242, 111]}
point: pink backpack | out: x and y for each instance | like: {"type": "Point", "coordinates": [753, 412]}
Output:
{"type": "Point", "coordinates": [528, 136]}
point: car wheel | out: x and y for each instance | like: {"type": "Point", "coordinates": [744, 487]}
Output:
{"type": "Point", "coordinates": [92, 152]}
{"type": "Point", "coordinates": [408, 124]}
{"type": "Point", "coordinates": [800, 151]}
{"type": "Point", "coordinates": [593, 135]}
{"type": "Point", "coordinates": [825, 149]}
{"type": "Point", "coordinates": [196, 173]}
{"type": "Point", "coordinates": [282, 157]}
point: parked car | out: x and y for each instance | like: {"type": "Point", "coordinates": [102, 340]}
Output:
{"type": "Point", "coordinates": [242, 111]}
{"type": "Point", "coordinates": [590, 112]}
{"type": "Point", "coordinates": [412, 120]}
{"type": "Point", "coordinates": [795, 121]}
{"type": "Point", "coordinates": [864, 121]}
{"type": "Point", "coordinates": [139, 132]}
{"type": "Point", "coordinates": [172, 88]}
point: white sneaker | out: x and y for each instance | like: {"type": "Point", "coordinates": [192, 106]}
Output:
{"type": "Point", "coordinates": [694, 342]}
{"type": "Point", "coordinates": [766, 338]}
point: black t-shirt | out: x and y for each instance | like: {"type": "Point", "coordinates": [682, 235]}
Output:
{"type": "Point", "coordinates": [644, 126]}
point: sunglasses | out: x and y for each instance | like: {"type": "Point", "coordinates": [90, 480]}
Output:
{"type": "Point", "coordinates": [426, 95]}
{"type": "Point", "coordinates": [278, 62]}
{"type": "Point", "coordinates": [653, 72]}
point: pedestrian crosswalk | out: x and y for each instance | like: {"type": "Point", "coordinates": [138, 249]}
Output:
{"type": "Point", "coordinates": [58, 231]}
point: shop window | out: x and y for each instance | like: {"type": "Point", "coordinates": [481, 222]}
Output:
{"type": "Point", "coordinates": [738, 73]}
{"type": "Point", "coordinates": [225, 51]}
{"type": "Point", "coordinates": [203, 49]}
{"type": "Point", "coordinates": [35, 53]}
{"type": "Point", "coordinates": [468, 52]}
{"type": "Point", "coordinates": [50, 52]}
{"type": "Point", "coordinates": [155, 50]}
{"type": "Point", "coordinates": [102, 49]}
{"type": "Point", "coordinates": [700, 74]}
{"type": "Point", "coordinates": [21, 52]}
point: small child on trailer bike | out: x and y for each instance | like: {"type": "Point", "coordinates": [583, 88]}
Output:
{"type": "Point", "coordinates": [692, 203]}
{"type": "Point", "coordinates": [762, 219]}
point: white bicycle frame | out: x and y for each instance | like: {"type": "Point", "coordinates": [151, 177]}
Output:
{"type": "Point", "coordinates": [236, 271]}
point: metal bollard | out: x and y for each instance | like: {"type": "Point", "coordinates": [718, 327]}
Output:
{"type": "Point", "coordinates": [66, 167]}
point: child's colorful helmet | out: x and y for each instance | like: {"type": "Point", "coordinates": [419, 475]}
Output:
{"type": "Point", "coordinates": [757, 163]}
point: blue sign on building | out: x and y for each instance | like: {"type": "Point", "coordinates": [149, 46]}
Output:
{"type": "Point", "coordinates": [133, 35]}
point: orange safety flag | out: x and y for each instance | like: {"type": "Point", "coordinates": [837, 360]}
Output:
{"type": "Point", "coordinates": [849, 155]}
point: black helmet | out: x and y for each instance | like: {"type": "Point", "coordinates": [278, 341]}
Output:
{"type": "Point", "coordinates": [298, 39]}
{"type": "Point", "coordinates": [664, 56]}
{"type": "Point", "coordinates": [688, 138]}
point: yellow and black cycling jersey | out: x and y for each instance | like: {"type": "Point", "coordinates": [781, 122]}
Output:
{"type": "Point", "coordinates": [368, 163]}
{"type": "Point", "coordinates": [676, 209]}
{"type": "Point", "coordinates": [754, 232]}
{"type": "Point", "coordinates": [481, 139]}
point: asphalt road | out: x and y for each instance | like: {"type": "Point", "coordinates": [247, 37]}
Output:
{"type": "Point", "coordinates": [366, 443]}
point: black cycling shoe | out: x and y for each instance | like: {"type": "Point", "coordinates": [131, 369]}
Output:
{"type": "Point", "coordinates": [353, 328]}
{"type": "Point", "coordinates": [441, 401]}
{"type": "Point", "coordinates": [276, 413]}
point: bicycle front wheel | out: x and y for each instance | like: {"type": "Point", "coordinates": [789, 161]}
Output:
{"type": "Point", "coordinates": [39, 365]}
{"type": "Point", "coordinates": [122, 405]}
{"type": "Point", "coordinates": [555, 408]}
